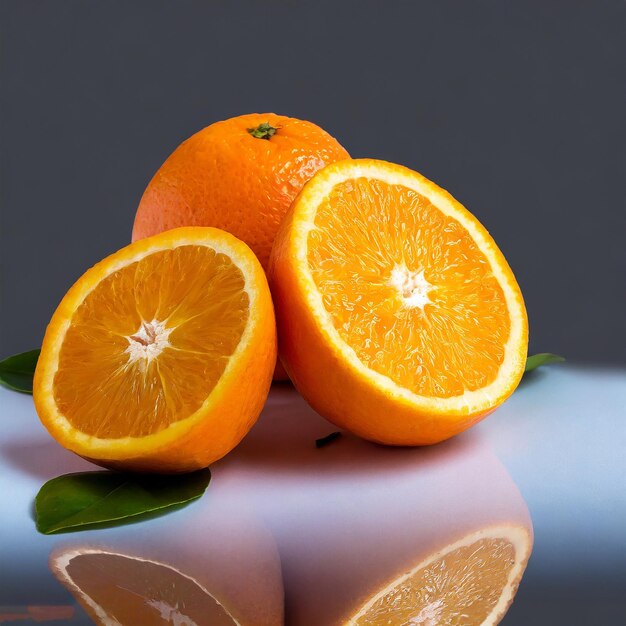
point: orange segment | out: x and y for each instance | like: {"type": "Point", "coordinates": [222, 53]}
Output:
{"type": "Point", "coordinates": [399, 318]}
{"type": "Point", "coordinates": [148, 343]}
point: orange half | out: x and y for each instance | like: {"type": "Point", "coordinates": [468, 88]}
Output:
{"type": "Point", "coordinates": [160, 357]}
{"type": "Point", "coordinates": [399, 318]}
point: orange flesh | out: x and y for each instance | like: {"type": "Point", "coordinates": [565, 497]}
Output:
{"type": "Point", "coordinates": [151, 339]}
{"type": "Point", "coordinates": [142, 592]}
{"type": "Point", "coordinates": [459, 589]}
{"type": "Point", "coordinates": [408, 289]}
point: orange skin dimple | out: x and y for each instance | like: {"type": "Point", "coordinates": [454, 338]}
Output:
{"type": "Point", "coordinates": [226, 178]}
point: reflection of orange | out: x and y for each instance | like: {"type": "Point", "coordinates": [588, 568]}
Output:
{"type": "Point", "coordinates": [382, 534]}
{"type": "Point", "coordinates": [126, 586]}
{"type": "Point", "coordinates": [239, 175]}
{"type": "Point", "coordinates": [431, 538]}
{"type": "Point", "coordinates": [470, 582]}
{"type": "Point", "coordinates": [399, 319]}
{"type": "Point", "coordinates": [160, 357]}
{"type": "Point", "coordinates": [220, 568]}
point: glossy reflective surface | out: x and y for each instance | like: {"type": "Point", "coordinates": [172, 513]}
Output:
{"type": "Point", "coordinates": [347, 526]}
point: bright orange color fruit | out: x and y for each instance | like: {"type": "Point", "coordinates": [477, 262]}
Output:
{"type": "Point", "coordinates": [240, 175]}
{"type": "Point", "coordinates": [398, 317]}
{"type": "Point", "coordinates": [160, 357]}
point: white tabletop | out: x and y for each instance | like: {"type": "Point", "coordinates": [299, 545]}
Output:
{"type": "Point", "coordinates": [561, 439]}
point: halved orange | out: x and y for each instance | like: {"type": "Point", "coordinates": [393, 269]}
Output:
{"type": "Point", "coordinates": [160, 357]}
{"type": "Point", "coordinates": [398, 316]}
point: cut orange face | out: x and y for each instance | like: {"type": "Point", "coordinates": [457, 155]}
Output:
{"type": "Point", "coordinates": [399, 318]}
{"type": "Point", "coordinates": [160, 357]}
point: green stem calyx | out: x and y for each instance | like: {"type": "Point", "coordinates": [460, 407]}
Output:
{"type": "Point", "coordinates": [263, 131]}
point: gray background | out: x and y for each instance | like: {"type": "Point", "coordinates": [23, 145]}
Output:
{"type": "Point", "coordinates": [514, 107]}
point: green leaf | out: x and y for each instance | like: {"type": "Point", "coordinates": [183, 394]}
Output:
{"type": "Point", "coordinates": [544, 358]}
{"type": "Point", "coordinates": [324, 441]}
{"type": "Point", "coordinates": [81, 501]}
{"type": "Point", "coordinates": [17, 371]}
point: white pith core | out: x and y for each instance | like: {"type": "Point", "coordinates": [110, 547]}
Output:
{"type": "Point", "coordinates": [148, 342]}
{"type": "Point", "coordinates": [171, 614]}
{"type": "Point", "coordinates": [429, 615]}
{"type": "Point", "coordinates": [413, 288]}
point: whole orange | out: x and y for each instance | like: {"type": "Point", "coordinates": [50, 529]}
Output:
{"type": "Point", "coordinates": [239, 175]}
